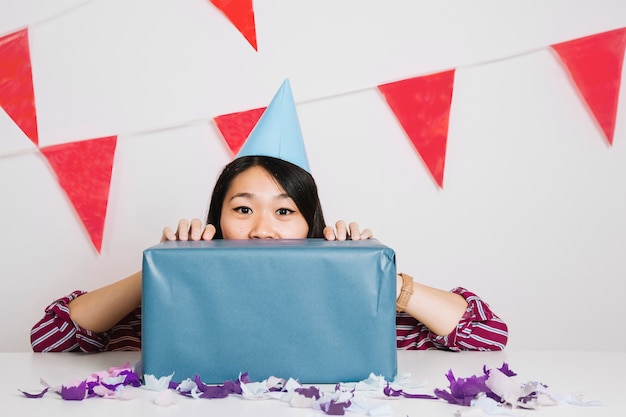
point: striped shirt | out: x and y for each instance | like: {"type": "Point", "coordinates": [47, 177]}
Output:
{"type": "Point", "coordinates": [56, 332]}
{"type": "Point", "coordinates": [478, 329]}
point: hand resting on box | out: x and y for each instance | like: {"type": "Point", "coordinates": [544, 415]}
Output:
{"type": "Point", "coordinates": [195, 230]}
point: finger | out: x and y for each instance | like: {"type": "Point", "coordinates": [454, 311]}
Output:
{"type": "Point", "coordinates": [342, 231]}
{"type": "Point", "coordinates": [183, 229]}
{"type": "Point", "coordinates": [355, 234]}
{"type": "Point", "coordinates": [367, 234]}
{"type": "Point", "coordinates": [329, 233]}
{"type": "Point", "coordinates": [209, 232]}
{"type": "Point", "coordinates": [168, 234]}
{"type": "Point", "coordinates": [196, 229]}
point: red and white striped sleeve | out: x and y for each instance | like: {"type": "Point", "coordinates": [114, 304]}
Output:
{"type": "Point", "coordinates": [56, 332]}
{"type": "Point", "coordinates": [478, 329]}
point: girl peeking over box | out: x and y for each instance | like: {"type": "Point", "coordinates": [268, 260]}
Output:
{"type": "Point", "coordinates": [267, 192]}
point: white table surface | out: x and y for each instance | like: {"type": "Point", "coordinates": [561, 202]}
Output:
{"type": "Point", "coordinates": [598, 376]}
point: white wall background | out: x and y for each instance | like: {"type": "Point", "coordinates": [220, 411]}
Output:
{"type": "Point", "coordinates": [533, 211]}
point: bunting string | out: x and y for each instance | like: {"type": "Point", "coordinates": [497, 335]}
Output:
{"type": "Point", "coordinates": [49, 18]}
{"type": "Point", "coordinates": [421, 104]}
{"type": "Point", "coordinates": [344, 93]}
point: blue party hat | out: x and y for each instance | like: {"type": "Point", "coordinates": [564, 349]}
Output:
{"type": "Point", "coordinates": [277, 133]}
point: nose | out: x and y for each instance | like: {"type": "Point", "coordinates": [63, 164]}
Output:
{"type": "Point", "coordinates": [263, 228]}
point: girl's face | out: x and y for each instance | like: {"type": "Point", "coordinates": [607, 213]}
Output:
{"type": "Point", "coordinates": [256, 207]}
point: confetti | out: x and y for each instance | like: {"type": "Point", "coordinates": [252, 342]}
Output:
{"type": "Point", "coordinates": [495, 391]}
{"type": "Point", "coordinates": [105, 384]}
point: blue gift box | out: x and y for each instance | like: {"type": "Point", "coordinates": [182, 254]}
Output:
{"type": "Point", "coordinates": [309, 309]}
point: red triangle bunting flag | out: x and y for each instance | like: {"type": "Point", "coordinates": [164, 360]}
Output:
{"type": "Point", "coordinates": [422, 106]}
{"type": "Point", "coordinates": [84, 170]}
{"type": "Point", "coordinates": [17, 96]}
{"type": "Point", "coordinates": [595, 66]}
{"type": "Point", "coordinates": [236, 127]}
{"type": "Point", "coordinates": [241, 14]}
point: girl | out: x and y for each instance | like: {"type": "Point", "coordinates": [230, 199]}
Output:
{"type": "Point", "coordinates": [263, 197]}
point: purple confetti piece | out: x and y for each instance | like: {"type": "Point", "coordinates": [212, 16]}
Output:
{"type": "Point", "coordinates": [213, 392]}
{"type": "Point", "coordinates": [530, 398]}
{"type": "Point", "coordinates": [111, 387]}
{"type": "Point", "coordinates": [217, 391]}
{"type": "Point", "coordinates": [391, 392]}
{"type": "Point", "coordinates": [39, 395]}
{"type": "Point", "coordinates": [74, 393]}
{"type": "Point", "coordinates": [131, 378]}
{"type": "Point", "coordinates": [335, 408]}
{"type": "Point", "coordinates": [463, 390]}
{"type": "Point", "coordinates": [446, 396]}
{"type": "Point", "coordinates": [91, 389]}
{"type": "Point", "coordinates": [244, 378]}
{"type": "Point", "coordinates": [506, 370]}
{"type": "Point", "coordinates": [235, 386]}
{"type": "Point", "coordinates": [311, 392]}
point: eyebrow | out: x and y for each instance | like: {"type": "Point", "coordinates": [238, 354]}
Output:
{"type": "Point", "coordinates": [281, 196]}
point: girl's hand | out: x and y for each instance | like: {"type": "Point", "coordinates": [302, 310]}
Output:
{"type": "Point", "coordinates": [341, 232]}
{"type": "Point", "coordinates": [189, 231]}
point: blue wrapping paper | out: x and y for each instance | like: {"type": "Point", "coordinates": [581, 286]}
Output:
{"type": "Point", "coordinates": [310, 309]}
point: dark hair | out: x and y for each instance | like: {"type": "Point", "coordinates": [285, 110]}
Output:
{"type": "Point", "coordinates": [297, 183]}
